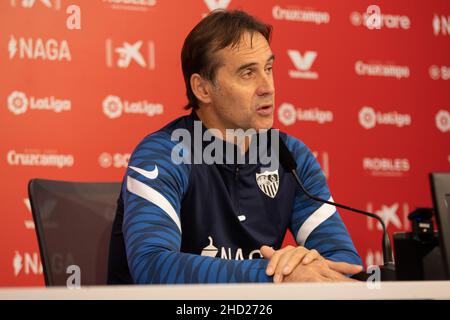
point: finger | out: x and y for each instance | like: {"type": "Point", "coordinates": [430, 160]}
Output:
{"type": "Point", "coordinates": [336, 276]}
{"type": "Point", "coordinates": [267, 251]}
{"type": "Point", "coordinates": [344, 267]}
{"type": "Point", "coordinates": [332, 275]}
{"type": "Point", "coordinates": [278, 278]}
{"type": "Point", "coordinates": [323, 279]}
{"type": "Point", "coordinates": [284, 256]}
{"type": "Point", "coordinates": [274, 260]}
{"type": "Point", "coordinates": [344, 279]}
{"type": "Point", "coordinates": [282, 262]}
{"type": "Point", "coordinates": [317, 278]}
{"type": "Point", "coordinates": [295, 259]}
{"type": "Point", "coordinates": [311, 256]}
{"type": "Point", "coordinates": [310, 273]}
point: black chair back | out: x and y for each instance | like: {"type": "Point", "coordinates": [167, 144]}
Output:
{"type": "Point", "coordinates": [73, 224]}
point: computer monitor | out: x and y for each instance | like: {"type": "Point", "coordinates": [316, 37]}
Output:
{"type": "Point", "coordinates": [440, 189]}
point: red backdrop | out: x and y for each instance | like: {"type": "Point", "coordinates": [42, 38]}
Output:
{"type": "Point", "coordinates": [81, 85]}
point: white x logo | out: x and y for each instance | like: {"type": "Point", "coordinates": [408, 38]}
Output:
{"type": "Point", "coordinates": [130, 52]}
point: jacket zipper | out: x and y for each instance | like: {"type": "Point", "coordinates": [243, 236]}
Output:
{"type": "Point", "coordinates": [236, 191]}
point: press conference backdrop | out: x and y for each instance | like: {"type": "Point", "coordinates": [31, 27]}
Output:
{"type": "Point", "coordinates": [82, 82]}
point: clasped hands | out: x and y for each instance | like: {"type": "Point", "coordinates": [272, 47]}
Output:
{"type": "Point", "coordinates": [298, 264]}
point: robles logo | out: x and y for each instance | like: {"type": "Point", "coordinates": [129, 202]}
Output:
{"type": "Point", "coordinates": [369, 118]}
{"type": "Point", "coordinates": [18, 103]}
{"type": "Point", "coordinates": [114, 107]}
{"type": "Point", "coordinates": [288, 115]}
{"type": "Point", "coordinates": [386, 166]}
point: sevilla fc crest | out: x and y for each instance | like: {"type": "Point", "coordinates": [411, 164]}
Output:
{"type": "Point", "coordinates": [268, 182]}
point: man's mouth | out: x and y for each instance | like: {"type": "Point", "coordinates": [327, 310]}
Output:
{"type": "Point", "coordinates": [265, 110]}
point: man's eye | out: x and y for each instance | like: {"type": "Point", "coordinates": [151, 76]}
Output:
{"type": "Point", "coordinates": [269, 69]}
{"type": "Point", "coordinates": [247, 74]}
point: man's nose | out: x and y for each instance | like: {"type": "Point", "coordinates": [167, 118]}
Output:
{"type": "Point", "coordinates": [266, 85]}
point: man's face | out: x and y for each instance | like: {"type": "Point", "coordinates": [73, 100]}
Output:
{"type": "Point", "coordinates": [243, 92]}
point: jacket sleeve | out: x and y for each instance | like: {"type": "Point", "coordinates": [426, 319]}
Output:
{"type": "Point", "coordinates": [317, 225]}
{"type": "Point", "coordinates": [152, 192]}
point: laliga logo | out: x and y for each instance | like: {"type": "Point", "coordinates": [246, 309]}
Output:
{"type": "Point", "coordinates": [112, 107]}
{"type": "Point", "coordinates": [443, 120]}
{"type": "Point", "coordinates": [105, 160]}
{"type": "Point", "coordinates": [17, 102]}
{"type": "Point", "coordinates": [367, 118]}
{"type": "Point", "coordinates": [287, 114]}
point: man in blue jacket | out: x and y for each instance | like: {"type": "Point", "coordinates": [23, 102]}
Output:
{"type": "Point", "coordinates": [191, 211]}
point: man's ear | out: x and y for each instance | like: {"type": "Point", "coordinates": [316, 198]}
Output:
{"type": "Point", "coordinates": [201, 88]}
